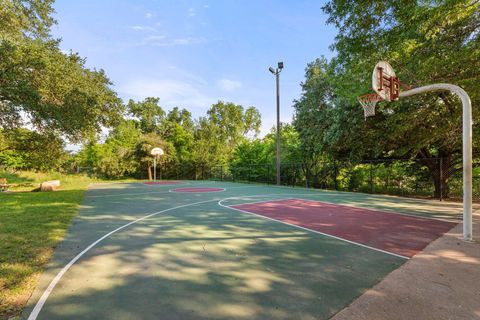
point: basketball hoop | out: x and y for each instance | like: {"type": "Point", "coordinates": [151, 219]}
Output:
{"type": "Point", "coordinates": [368, 102]}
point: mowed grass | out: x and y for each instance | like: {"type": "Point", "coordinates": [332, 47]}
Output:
{"type": "Point", "coordinates": [31, 225]}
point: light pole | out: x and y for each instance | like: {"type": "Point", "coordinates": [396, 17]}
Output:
{"type": "Point", "coordinates": [276, 72]}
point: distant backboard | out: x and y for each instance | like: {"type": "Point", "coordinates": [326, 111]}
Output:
{"type": "Point", "coordinates": [156, 152]}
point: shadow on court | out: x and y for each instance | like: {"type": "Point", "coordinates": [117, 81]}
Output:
{"type": "Point", "coordinates": [202, 262]}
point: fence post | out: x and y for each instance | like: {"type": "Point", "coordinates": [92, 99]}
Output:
{"type": "Point", "coordinates": [371, 177]}
{"type": "Point", "coordinates": [441, 179]}
{"type": "Point", "coordinates": [335, 173]}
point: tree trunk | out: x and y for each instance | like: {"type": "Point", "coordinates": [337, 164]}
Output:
{"type": "Point", "coordinates": [440, 172]}
{"type": "Point", "coordinates": [149, 170]}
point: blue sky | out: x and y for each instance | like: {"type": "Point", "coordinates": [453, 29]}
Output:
{"type": "Point", "coordinates": [193, 53]}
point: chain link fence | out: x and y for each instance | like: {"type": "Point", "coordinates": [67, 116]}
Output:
{"type": "Point", "coordinates": [439, 178]}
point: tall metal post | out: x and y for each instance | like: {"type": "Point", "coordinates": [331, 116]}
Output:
{"type": "Point", "coordinates": [277, 76]}
{"type": "Point", "coordinates": [467, 147]}
{"type": "Point", "coordinates": [276, 72]}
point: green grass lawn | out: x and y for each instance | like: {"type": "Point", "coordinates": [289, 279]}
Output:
{"type": "Point", "coordinates": [31, 225]}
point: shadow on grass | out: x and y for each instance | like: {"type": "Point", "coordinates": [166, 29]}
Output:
{"type": "Point", "coordinates": [15, 177]}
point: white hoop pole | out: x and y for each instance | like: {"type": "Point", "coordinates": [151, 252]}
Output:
{"type": "Point", "coordinates": [155, 168]}
{"type": "Point", "coordinates": [467, 147]}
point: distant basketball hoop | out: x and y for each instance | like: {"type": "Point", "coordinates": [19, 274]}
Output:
{"type": "Point", "coordinates": [155, 152]}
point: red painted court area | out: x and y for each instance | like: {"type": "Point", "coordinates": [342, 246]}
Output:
{"type": "Point", "coordinates": [396, 233]}
{"type": "Point", "coordinates": [197, 190]}
{"type": "Point", "coordinates": [152, 183]}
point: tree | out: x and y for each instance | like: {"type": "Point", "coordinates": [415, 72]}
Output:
{"type": "Point", "coordinates": [148, 112]}
{"type": "Point", "coordinates": [427, 42]}
{"type": "Point", "coordinates": [30, 150]}
{"type": "Point", "coordinates": [145, 144]}
{"type": "Point", "coordinates": [178, 129]}
{"type": "Point", "coordinates": [233, 122]}
{"type": "Point", "coordinates": [38, 83]}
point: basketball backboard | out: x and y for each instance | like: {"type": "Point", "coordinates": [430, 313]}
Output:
{"type": "Point", "coordinates": [385, 82]}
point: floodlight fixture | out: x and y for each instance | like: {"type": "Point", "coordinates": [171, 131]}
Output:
{"type": "Point", "coordinates": [271, 70]}
{"type": "Point", "coordinates": [280, 65]}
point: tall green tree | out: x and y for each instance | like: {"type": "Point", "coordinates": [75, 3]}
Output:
{"type": "Point", "coordinates": [38, 83]}
{"type": "Point", "coordinates": [148, 112]}
{"type": "Point", "coordinates": [178, 129]}
{"type": "Point", "coordinates": [225, 126]}
{"type": "Point", "coordinates": [30, 150]}
{"type": "Point", "coordinates": [426, 42]}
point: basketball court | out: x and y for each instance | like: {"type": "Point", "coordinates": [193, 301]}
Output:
{"type": "Point", "coordinates": [218, 250]}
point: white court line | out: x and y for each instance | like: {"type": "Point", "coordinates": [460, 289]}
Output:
{"type": "Point", "coordinates": [125, 194]}
{"type": "Point", "coordinates": [378, 210]}
{"type": "Point", "coordinates": [313, 231]}
{"type": "Point", "coordinates": [144, 184]}
{"type": "Point", "coordinates": [386, 210]}
{"type": "Point", "coordinates": [212, 191]}
{"type": "Point", "coordinates": [38, 307]}
{"type": "Point", "coordinates": [262, 201]}
{"type": "Point", "coordinates": [152, 192]}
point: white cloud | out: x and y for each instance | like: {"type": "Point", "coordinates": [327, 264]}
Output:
{"type": "Point", "coordinates": [170, 92]}
{"type": "Point", "coordinates": [154, 38]}
{"type": "Point", "coordinates": [228, 85]}
{"type": "Point", "coordinates": [143, 28]}
{"type": "Point", "coordinates": [191, 12]}
{"type": "Point", "coordinates": [163, 42]}
{"type": "Point", "coordinates": [148, 15]}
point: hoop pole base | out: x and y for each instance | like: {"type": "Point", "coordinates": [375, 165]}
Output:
{"type": "Point", "coordinates": [467, 147]}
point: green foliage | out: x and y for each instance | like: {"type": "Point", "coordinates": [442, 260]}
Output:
{"type": "Point", "coordinates": [12, 160]}
{"type": "Point", "coordinates": [148, 112]}
{"type": "Point", "coordinates": [53, 90]}
{"type": "Point", "coordinates": [178, 129]}
{"type": "Point", "coordinates": [30, 150]}
{"type": "Point", "coordinates": [426, 42]}
{"type": "Point", "coordinates": [251, 153]}
{"type": "Point", "coordinates": [26, 18]}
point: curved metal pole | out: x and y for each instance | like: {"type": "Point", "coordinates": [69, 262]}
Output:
{"type": "Point", "coordinates": [467, 147]}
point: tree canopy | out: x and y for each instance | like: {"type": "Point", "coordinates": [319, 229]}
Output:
{"type": "Point", "coordinates": [44, 87]}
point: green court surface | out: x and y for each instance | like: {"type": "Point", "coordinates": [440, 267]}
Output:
{"type": "Point", "coordinates": [139, 251]}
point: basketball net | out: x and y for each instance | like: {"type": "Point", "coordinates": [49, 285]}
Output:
{"type": "Point", "coordinates": [368, 102]}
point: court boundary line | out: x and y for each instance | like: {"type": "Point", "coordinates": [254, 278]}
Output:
{"type": "Point", "coordinates": [262, 201]}
{"type": "Point", "coordinates": [454, 219]}
{"type": "Point", "coordinates": [144, 184]}
{"type": "Point", "coordinates": [215, 191]}
{"type": "Point", "coordinates": [124, 194]}
{"type": "Point", "coordinates": [312, 231]}
{"type": "Point", "coordinates": [151, 192]}
{"type": "Point", "coordinates": [378, 210]}
{"type": "Point", "coordinates": [43, 298]}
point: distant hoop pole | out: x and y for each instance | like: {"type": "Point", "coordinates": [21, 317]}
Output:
{"type": "Point", "coordinates": [467, 147]}
{"type": "Point", "coordinates": [155, 152]}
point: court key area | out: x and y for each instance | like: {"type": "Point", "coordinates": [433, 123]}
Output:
{"type": "Point", "coordinates": [217, 250]}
